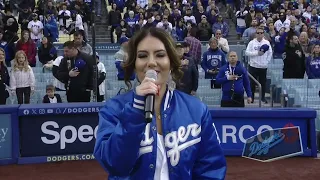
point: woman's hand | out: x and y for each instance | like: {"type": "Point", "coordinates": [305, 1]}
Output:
{"type": "Point", "coordinates": [147, 86]}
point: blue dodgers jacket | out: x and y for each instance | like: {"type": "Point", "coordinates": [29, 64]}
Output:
{"type": "Point", "coordinates": [243, 83]}
{"type": "Point", "coordinates": [126, 146]}
{"type": "Point", "coordinates": [212, 59]}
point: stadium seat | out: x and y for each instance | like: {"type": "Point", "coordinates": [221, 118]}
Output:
{"type": "Point", "coordinates": [314, 83]}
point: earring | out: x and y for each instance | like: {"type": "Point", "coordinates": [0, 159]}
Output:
{"type": "Point", "coordinates": [171, 84]}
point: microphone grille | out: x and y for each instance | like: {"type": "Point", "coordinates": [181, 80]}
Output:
{"type": "Point", "coordinates": [151, 74]}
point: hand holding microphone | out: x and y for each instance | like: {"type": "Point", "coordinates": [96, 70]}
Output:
{"type": "Point", "coordinates": [149, 89]}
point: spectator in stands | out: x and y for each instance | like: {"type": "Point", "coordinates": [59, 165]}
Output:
{"type": "Point", "coordinates": [221, 25]}
{"type": "Point", "coordinates": [59, 86]}
{"type": "Point", "coordinates": [305, 43]}
{"type": "Point", "coordinates": [22, 80]}
{"type": "Point", "coordinates": [51, 96]}
{"type": "Point", "coordinates": [212, 61]}
{"type": "Point", "coordinates": [189, 81]}
{"type": "Point", "coordinates": [234, 80]}
{"type": "Point", "coordinates": [76, 72]}
{"type": "Point", "coordinates": [222, 42]}
{"type": "Point", "coordinates": [81, 6]}
{"type": "Point", "coordinates": [249, 33]}
{"type": "Point", "coordinates": [121, 57]}
{"type": "Point", "coordinates": [313, 63]}
{"type": "Point", "coordinates": [4, 78]}
{"type": "Point", "coordinates": [101, 79]}
{"type": "Point", "coordinates": [120, 4]}
{"type": "Point", "coordinates": [29, 47]}
{"type": "Point", "coordinates": [180, 30]}
{"type": "Point", "coordinates": [165, 24]}
{"type": "Point", "coordinates": [293, 59]}
{"type": "Point", "coordinates": [64, 17]}
{"type": "Point", "coordinates": [51, 30]}
{"type": "Point", "coordinates": [204, 29]}
{"type": "Point", "coordinates": [131, 21]}
{"type": "Point", "coordinates": [123, 30]}
{"type": "Point", "coordinates": [81, 44]}
{"type": "Point", "coordinates": [195, 45]}
{"type": "Point", "coordinates": [8, 48]}
{"type": "Point", "coordinates": [241, 23]}
{"type": "Point", "coordinates": [36, 28]}
{"type": "Point", "coordinates": [25, 16]}
{"type": "Point", "coordinates": [280, 42]}
{"type": "Point", "coordinates": [260, 54]}
{"type": "Point", "coordinates": [47, 53]}
{"type": "Point", "coordinates": [114, 21]}
{"type": "Point", "coordinates": [11, 27]}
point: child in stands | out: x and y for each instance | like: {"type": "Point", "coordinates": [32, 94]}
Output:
{"type": "Point", "coordinates": [22, 80]}
{"type": "Point", "coordinates": [51, 97]}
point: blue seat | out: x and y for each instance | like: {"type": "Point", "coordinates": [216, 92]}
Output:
{"type": "Point", "coordinates": [278, 61]}
{"type": "Point", "coordinates": [314, 83]}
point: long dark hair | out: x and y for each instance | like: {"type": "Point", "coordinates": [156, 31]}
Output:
{"type": "Point", "coordinates": [166, 39]}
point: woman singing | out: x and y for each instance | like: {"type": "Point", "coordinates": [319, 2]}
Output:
{"type": "Point", "coordinates": [181, 142]}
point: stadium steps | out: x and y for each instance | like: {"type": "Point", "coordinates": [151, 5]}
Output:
{"type": "Point", "coordinates": [101, 26]}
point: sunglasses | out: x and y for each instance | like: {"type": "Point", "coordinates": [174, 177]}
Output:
{"type": "Point", "coordinates": [259, 32]}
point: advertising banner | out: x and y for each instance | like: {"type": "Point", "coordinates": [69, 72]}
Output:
{"type": "Point", "coordinates": [67, 132]}
{"type": "Point", "coordinates": [234, 132]}
{"type": "Point", "coordinates": [5, 136]}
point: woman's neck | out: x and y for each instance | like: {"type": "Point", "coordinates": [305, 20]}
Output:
{"type": "Point", "coordinates": [158, 98]}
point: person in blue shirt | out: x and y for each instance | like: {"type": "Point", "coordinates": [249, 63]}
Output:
{"type": "Point", "coordinates": [234, 80]}
{"type": "Point", "coordinates": [129, 147]}
{"type": "Point", "coordinates": [212, 60]}
{"type": "Point", "coordinates": [313, 63]}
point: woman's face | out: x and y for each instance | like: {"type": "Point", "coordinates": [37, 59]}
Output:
{"type": "Point", "coordinates": [2, 57]}
{"type": "Point", "coordinates": [21, 59]}
{"type": "Point", "coordinates": [26, 36]}
{"type": "Point", "coordinates": [316, 49]}
{"type": "Point", "coordinates": [151, 54]}
{"type": "Point", "coordinates": [44, 40]}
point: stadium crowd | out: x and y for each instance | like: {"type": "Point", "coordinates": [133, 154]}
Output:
{"type": "Point", "coordinates": [284, 29]}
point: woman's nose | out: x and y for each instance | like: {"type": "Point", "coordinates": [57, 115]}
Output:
{"type": "Point", "coordinates": [152, 62]}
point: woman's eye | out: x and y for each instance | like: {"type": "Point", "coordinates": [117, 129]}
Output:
{"type": "Point", "coordinates": [142, 56]}
{"type": "Point", "coordinates": [161, 55]}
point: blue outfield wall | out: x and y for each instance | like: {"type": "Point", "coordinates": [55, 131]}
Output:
{"type": "Point", "coordinates": [65, 132]}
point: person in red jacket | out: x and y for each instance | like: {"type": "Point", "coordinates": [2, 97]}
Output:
{"type": "Point", "coordinates": [28, 46]}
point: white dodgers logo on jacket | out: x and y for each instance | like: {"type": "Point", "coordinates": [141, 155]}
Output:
{"type": "Point", "coordinates": [175, 141]}
{"type": "Point", "coordinates": [214, 59]}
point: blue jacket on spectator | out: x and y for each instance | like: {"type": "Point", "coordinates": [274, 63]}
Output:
{"type": "Point", "coordinates": [260, 5]}
{"type": "Point", "coordinates": [212, 59]}
{"type": "Point", "coordinates": [241, 84]}
{"type": "Point", "coordinates": [313, 67]}
{"type": "Point", "coordinates": [9, 50]}
{"type": "Point", "coordinates": [221, 26]}
{"type": "Point", "coordinates": [120, 3]}
{"type": "Point", "coordinates": [126, 145]}
{"type": "Point", "coordinates": [279, 43]}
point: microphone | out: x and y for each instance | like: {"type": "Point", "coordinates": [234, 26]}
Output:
{"type": "Point", "coordinates": [149, 103]}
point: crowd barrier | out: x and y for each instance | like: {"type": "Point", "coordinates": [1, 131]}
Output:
{"type": "Point", "coordinates": [67, 131]}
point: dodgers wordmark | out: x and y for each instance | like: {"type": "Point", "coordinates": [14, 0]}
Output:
{"type": "Point", "coordinates": [172, 141]}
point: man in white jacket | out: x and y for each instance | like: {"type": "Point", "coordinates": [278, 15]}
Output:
{"type": "Point", "coordinates": [259, 52]}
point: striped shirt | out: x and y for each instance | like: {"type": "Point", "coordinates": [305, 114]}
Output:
{"type": "Point", "coordinates": [195, 48]}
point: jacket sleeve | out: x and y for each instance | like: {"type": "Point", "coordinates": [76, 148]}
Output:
{"type": "Point", "coordinates": [309, 73]}
{"type": "Point", "coordinates": [250, 51]}
{"type": "Point", "coordinates": [119, 137]}
{"type": "Point", "coordinates": [90, 68]}
{"type": "Point", "coordinates": [204, 63]}
{"type": "Point", "coordinates": [59, 100]}
{"type": "Point", "coordinates": [221, 78]}
{"type": "Point", "coordinates": [210, 163]}
{"type": "Point", "coordinates": [62, 73]}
